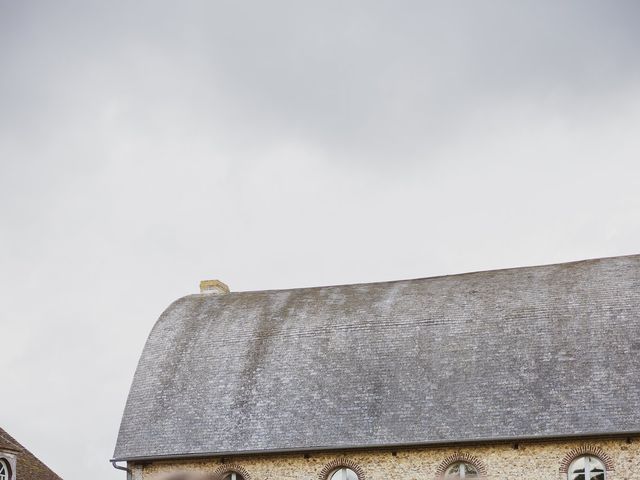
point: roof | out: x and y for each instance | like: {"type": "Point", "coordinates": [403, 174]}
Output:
{"type": "Point", "coordinates": [532, 352]}
{"type": "Point", "coordinates": [7, 443]}
{"type": "Point", "coordinates": [28, 467]}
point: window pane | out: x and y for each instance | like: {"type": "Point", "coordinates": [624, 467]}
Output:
{"type": "Point", "coordinates": [454, 470]}
{"type": "Point", "coordinates": [471, 471]}
{"type": "Point", "coordinates": [233, 476]}
{"type": "Point", "coordinates": [578, 463]}
{"type": "Point", "coordinates": [587, 468]}
{"type": "Point", "coordinates": [351, 475]}
{"type": "Point", "coordinates": [344, 474]}
{"type": "Point", "coordinates": [457, 469]}
{"type": "Point", "coordinates": [596, 468]}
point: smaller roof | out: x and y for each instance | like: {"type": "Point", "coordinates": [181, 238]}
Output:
{"type": "Point", "coordinates": [6, 443]}
{"type": "Point", "coordinates": [28, 466]}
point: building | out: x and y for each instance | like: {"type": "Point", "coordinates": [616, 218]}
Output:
{"type": "Point", "coordinates": [520, 374]}
{"type": "Point", "coordinates": [18, 463]}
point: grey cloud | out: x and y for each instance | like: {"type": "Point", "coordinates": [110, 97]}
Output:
{"type": "Point", "coordinates": [394, 77]}
{"type": "Point", "coordinates": [145, 146]}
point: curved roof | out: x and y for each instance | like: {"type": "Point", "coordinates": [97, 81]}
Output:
{"type": "Point", "coordinates": [507, 354]}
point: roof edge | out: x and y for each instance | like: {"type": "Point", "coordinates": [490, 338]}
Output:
{"type": "Point", "coordinates": [381, 446]}
{"type": "Point", "coordinates": [446, 275]}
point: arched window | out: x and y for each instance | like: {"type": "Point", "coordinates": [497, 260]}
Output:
{"type": "Point", "coordinates": [343, 473]}
{"type": "Point", "coordinates": [230, 471]}
{"type": "Point", "coordinates": [342, 469]}
{"type": "Point", "coordinates": [587, 467]}
{"type": "Point", "coordinates": [233, 476]}
{"type": "Point", "coordinates": [461, 470]}
{"type": "Point", "coordinates": [5, 474]}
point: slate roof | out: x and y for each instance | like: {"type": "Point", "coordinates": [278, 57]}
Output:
{"type": "Point", "coordinates": [523, 353]}
{"type": "Point", "coordinates": [28, 467]}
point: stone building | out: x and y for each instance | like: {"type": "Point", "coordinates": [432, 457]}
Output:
{"type": "Point", "coordinates": [18, 463]}
{"type": "Point", "coordinates": [519, 374]}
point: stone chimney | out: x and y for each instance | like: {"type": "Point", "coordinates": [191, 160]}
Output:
{"type": "Point", "coordinates": [213, 287]}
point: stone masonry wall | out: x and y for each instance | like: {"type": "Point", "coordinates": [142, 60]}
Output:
{"type": "Point", "coordinates": [524, 461]}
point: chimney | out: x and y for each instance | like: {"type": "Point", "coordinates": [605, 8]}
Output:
{"type": "Point", "coordinates": [213, 287]}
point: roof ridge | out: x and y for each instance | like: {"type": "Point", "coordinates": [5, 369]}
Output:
{"type": "Point", "coordinates": [434, 277]}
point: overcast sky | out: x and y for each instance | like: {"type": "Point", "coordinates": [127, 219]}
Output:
{"type": "Point", "coordinates": [145, 146]}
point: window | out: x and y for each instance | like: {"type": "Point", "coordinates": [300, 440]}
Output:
{"type": "Point", "coordinates": [342, 469]}
{"type": "Point", "coordinates": [229, 476]}
{"type": "Point", "coordinates": [4, 470]}
{"type": "Point", "coordinates": [343, 474]}
{"type": "Point", "coordinates": [587, 467]}
{"type": "Point", "coordinates": [461, 470]}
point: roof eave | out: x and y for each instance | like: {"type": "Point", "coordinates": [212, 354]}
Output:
{"type": "Point", "coordinates": [387, 446]}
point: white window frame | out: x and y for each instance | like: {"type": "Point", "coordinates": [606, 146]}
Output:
{"type": "Point", "coordinates": [587, 467]}
{"type": "Point", "coordinates": [344, 473]}
{"type": "Point", "coordinates": [463, 469]}
{"type": "Point", "coordinates": [5, 470]}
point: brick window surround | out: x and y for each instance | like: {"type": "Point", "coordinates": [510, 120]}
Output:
{"type": "Point", "coordinates": [461, 457]}
{"type": "Point", "coordinates": [590, 450]}
{"type": "Point", "coordinates": [341, 463]}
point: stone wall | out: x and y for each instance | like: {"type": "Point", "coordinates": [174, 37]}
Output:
{"type": "Point", "coordinates": [541, 460]}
